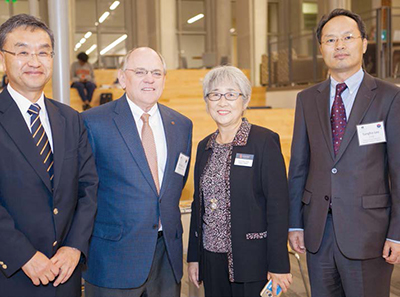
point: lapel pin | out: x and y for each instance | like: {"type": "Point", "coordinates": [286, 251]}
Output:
{"type": "Point", "coordinates": [173, 123]}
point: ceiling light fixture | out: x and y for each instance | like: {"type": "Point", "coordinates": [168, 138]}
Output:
{"type": "Point", "coordinates": [114, 5]}
{"type": "Point", "coordinates": [104, 16]}
{"type": "Point", "coordinates": [91, 49]}
{"type": "Point", "coordinates": [195, 18]}
{"type": "Point", "coordinates": [113, 44]}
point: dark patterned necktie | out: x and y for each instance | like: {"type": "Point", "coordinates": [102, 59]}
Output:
{"type": "Point", "coordinates": [41, 141]}
{"type": "Point", "coordinates": [338, 117]}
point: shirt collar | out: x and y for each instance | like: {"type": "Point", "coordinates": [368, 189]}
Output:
{"type": "Point", "coordinates": [352, 83]}
{"type": "Point", "coordinates": [22, 102]}
{"type": "Point", "coordinates": [240, 139]}
{"type": "Point", "coordinates": [138, 112]}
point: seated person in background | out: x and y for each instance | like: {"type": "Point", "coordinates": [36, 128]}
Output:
{"type": "Point", "coordinates": [82, 77]}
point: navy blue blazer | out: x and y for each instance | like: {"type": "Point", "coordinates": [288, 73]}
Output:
{"type": "Point", "coordinates": [28, 222]}
{"type": "Point", "coordinates": [125, 233]}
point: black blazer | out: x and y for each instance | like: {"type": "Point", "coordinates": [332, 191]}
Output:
{"type": "Point", "coordinates": [28, 220]}
{"type": "Point", "coordinates": [259, 203]}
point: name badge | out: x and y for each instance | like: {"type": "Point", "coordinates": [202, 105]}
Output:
{"type": "Point", "coordinates": [182, 164]}
{"type": "Point", "coordinates": [245, 160]}
{"type": "Point", "coordinates": [371, 133]}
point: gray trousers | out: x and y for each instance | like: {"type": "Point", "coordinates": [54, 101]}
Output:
{"type": "Point", "coordinates": [334, 275]}
{"type": "Point", "coordinates": [160, 282]}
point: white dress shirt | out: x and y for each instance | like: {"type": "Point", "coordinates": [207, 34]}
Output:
{"type": "Point", "coordinates": [156, 124]}
{"type": "Point", "coordinates": [24, 104]}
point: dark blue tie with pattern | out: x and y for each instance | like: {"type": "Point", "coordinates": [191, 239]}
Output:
{"type": "Point", "coordinates": [41, 141]}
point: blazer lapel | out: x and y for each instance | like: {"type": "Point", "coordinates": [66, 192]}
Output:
{"type": "Point", "coordinates": [170, 131]}
{"type": "Point", "coordinates": [363, 100]}
{"type": "Point", "coordinates": [13, 122]}
{"type": "Point", "coordinates": [127, 127]}
{"type": "Point", "coordinates": [323, 107]}
{"type": "Point", "coordinates": [57, 123]}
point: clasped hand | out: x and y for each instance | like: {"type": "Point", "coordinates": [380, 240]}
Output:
{"type": "Point", "coordinates": [42, 270]}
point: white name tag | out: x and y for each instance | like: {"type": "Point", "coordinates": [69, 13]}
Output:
{"type": "Point", "coordinates": [371, 133]}
{"type": "Point", "coordinates": [182, 164]}
{"type": "Point", "coordinates": [245, 160]}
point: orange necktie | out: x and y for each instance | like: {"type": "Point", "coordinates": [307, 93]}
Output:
{"type": "Point", "coordinates": [149, 146]}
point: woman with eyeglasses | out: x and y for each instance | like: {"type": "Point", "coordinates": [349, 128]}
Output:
{"type": "Point", "coordinates": [239, 223]}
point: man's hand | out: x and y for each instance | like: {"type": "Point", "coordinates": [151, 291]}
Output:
{"type": "Point", "coordinates": [40, 269]}
{"type": "Point", "coordinates": [296, 240]}
{"type": "Point", "coordinates": [193, 272]}
{"type": "Point", "coordinates": [283, 280]}
{"type": "Point", "coordinates": [66, 260]}
{"type": "Point", "coordinates": [391, 252]}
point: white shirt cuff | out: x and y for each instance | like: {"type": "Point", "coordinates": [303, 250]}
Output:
{"type": "Point", "coordinates": [395, 241]}
{"type": "Point", "coordinates": [295, 229]}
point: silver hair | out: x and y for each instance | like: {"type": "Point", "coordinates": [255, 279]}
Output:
{"type": "Point", "coordinates": [126, 58]}
{"type": "Point", "coordinates": [231, 74]}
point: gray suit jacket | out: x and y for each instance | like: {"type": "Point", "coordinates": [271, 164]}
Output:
{"type": "Point", "coordinates": [362, 181]}
{"type": "Point", "coordinates": [129, 208]}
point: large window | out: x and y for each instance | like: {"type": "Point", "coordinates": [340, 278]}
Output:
{"type": "Point", "coordinates": [191, 32]}
{"type": "Point", "coordinates": [310, 14]}
{"type": "Point", "coordinates": [8, 9]}
{"type": "Point", "coordinates": [100, 31]}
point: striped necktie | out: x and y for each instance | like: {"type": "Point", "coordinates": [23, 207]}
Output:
{"type": "Point", "coordinates": [41, 141]}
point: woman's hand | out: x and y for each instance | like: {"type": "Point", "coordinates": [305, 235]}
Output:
{"type": "Point", "coordinates": [282, 279]}
{"type": "Point", "coordinates": [193, 272]}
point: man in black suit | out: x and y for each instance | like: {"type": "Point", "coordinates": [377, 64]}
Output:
{"type": "Point", "coordinates": [48, 180]}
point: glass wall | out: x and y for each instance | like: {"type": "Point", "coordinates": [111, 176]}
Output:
{"type": "Point", "coordinates": [100, 31]}
{"type": "Point", "coordinates": [191, 32]}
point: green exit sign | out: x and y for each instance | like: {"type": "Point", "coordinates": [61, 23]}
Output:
{"type": "Point", "coordinates": [13, 1]}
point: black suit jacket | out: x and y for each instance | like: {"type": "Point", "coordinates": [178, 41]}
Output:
{"type": "Point", "coordinates": [28, 220]}
{"type": "Point", "coordinates": [259, 203]}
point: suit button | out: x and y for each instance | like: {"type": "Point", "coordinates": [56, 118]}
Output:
{"type": "Point", "coordinates": [334, 170]}
{"type": "Point", "coordinates": [55, 211]}
{"type": "Point", "coordinates": [326, 198]}
{"type": "Point", "coordinates": [155, 226]}
{"type": "Point", "coordinates": [55, 243]}
{"type": "Point", "coordinates": [4, 266]}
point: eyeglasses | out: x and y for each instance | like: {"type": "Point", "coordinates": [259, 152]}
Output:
{"type": "Point", "coordinates": [347, 39]}
{"type": "Point", "coordinates": [230, 96]}
{"type": "Point", "coordinates": [25, 55]}
{"type": "Point", "coordinates": [141, 72]}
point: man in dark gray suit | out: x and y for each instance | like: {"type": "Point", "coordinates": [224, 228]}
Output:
{"type": "Point", "coordinates": [344, 174]}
